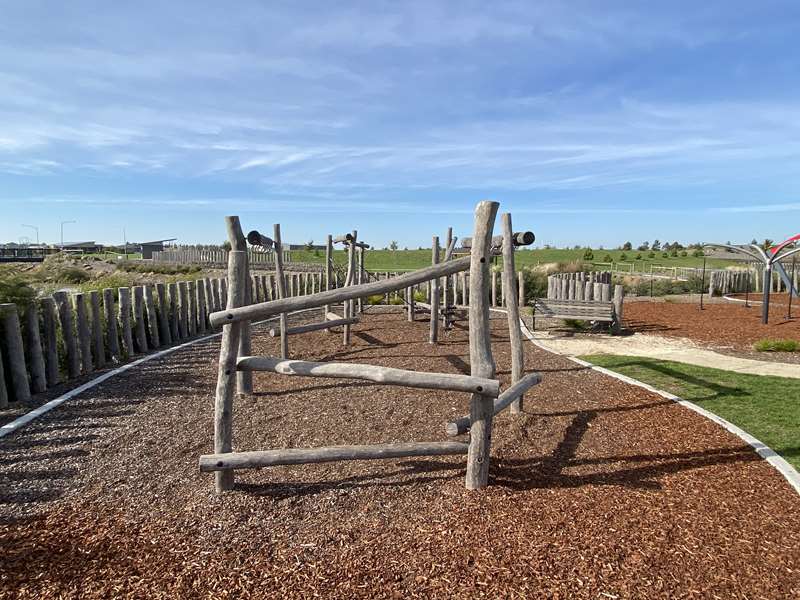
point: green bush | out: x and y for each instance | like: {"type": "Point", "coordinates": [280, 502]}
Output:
{"type": "Point", "coordinates": [15, 288]}
{"type": "Point", "coordinates": [623, 257]}
{"type": "Point", "coordinates": [419, 296]}
{"type": "Point", "coordinates": [376, 299]}
{"type": "Point", "coordinates": [588, 254]}
{"type": "Point", "coordinates": [576, 324]}
{"type": "Point", "coordinates": [639, 256]}
{"type": "Point", "coordinates": [651, 254]}
{"type": "Point", "coordinates": [395, 300]}
{"type": "Point", "coordinates": [157, 268]}
{"type": "Point", "coordinates": [768, 345]}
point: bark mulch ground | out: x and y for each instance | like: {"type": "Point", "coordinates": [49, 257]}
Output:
{"type": "Point", "coordinates": [730, 325]}
{"type": "Point", "coordinates": [600, 490]}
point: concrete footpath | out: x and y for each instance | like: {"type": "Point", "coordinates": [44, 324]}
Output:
{"type": "Point", "coordinates": [662, 348]}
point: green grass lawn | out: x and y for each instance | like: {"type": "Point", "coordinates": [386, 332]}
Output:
{"type": "Point", "coordinates": [766, 407]}
{"type": "Point", "coordinates": [388, 260]}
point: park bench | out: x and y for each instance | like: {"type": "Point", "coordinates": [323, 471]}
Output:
{"type": "Point", "coordinates": [573, 309]}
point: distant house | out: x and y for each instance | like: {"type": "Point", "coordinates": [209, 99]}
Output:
{"type": "Point", "coordinates": [147, 248]}
{"type": "Point", "coordinates": [80, 247]}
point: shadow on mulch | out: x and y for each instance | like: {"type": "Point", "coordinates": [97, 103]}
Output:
{"type": "Point", "coordinates": [548, 471]}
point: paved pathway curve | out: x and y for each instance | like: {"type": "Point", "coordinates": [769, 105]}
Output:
{"type": "Point", "coordinates": [662, 348]}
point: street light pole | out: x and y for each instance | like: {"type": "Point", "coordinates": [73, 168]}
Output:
{"type": "Point", "coordinates": [62, 232]}
{"type": "Point", "coordinates": [36, 229]}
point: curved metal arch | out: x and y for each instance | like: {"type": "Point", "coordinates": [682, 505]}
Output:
{"type": "Point", "coordinates": [741, 250]}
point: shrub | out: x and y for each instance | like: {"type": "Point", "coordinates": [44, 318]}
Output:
{"type": "Point", "coordinates": [376, 299]}
{"type": "Point", "coordinates": [768, 345]}
{"type": "Point", "coordinates": [651, 254]}
{"type": "Point", "coordinates": [684, 253]}
{"type": "Point", "coordinates": [588, 254]}
{"type": "Point", "coordinates": [419, 296]}
{"type": "Point", "coordinates": [623, 257]}
{"type": "Point", "coordinates": [607, 258]}
{"type": "Point", "coordinates": [698, 253]}
{"type": "Point", "coordinates": [15, 288]}
{"type": "Point", "coordinates": [576, 324]}
{"type": "Point", "coordinates": [639, 256]}
{"type": "Point", "coordinates": [395, 300]}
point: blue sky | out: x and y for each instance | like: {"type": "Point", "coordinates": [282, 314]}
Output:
{"type": "Point", "coordinates": [592, 122]}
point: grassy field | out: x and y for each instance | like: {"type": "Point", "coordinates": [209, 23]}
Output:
{"type": "Point", "coordinates": [388, 260]}
{"type": "Point", "coordinates": [765, 407]}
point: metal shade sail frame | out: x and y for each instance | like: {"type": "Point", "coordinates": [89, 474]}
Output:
{"type": "Point", "coordinates": [770, 259]}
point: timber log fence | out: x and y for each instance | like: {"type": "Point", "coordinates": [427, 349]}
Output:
{"type": "Point", "coordinates": [57, 339]}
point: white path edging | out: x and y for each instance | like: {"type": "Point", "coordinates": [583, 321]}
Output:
{"type": "Point", "coordinates": [20, 422]}
{"type": "Point", "coordinates": [780, 464]}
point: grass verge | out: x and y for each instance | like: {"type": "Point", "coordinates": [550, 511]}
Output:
{"type": "Point", "coordinates": [765, 407]}
{"type": "Point", "coordinates": [768, 345]}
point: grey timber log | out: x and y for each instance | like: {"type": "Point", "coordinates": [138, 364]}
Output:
{"type": "Point", "coordinates": [520, 238]}
{"type": "Point", "coordinates": [192, 308]}
{"type": "Point", "coordinates": [588, 291]}
{"type": "Point", "coordinates": [125, 320]}
{"type": "Point", "coordinates": [49, 329]}
{"type": "Point", "coordinates": [521, 288]}
{"type": "Point", "coordinates": [433, 337]}
{"type": "Point", "coordinates": [512, 309]}
{"type": "Point", "coordinates": [313, 327]}
{"type": "Point", "coordinates": [619, 297]}
{"type": "Point", "coordinates": [98, 347]}
{"type": "Point", "coordinates": [84, 335]}
{"type": "Point", "coordinates": [480, 347]}
{"type": "Point", "coordinates": [112, 331]}
{"type": "Point", "coordinates": [209, 294]}
{"type": "Point", "coordinates": [215, 290]}
{"type": "Point", "coordinates": [183, 310]}
{"type": "Point", "coordinates": [3, 389]}
{"type": "Point", "coordinates": [223, 292]}
{"type": "Point", "coordinates": [164, 330]}
{"type": "Point", "coordinates": [564, 294]}
{"type": "Point", "coordinates": [15, 352]}
{"type": "Point", "coordinates": [598, 292]}
{"type": "Point", "coordinates": [140, 330]}
{"type": "Point", "coordinates": [226, 379]}
{"type": "Point", "coordinates": [331, 316]}
{"type": "Point", "coordinates": [299, 456]}
{"type": "Point", "coordinates": [244, 381]}
{"type": "Point", "coordinates": [174, 311]}
{"type": "Point", "coordinates": [346, 238]}
{"type": "Point", "coordinates": [494, 288]}
{"type": "Point", "coordinates": [410, 301]}
{"type": "Point", "coordinates": [571, 289]}
{"type": "Point", "coordinates": [267, 309]}
{"type": "Point", "coordinates": [374, 373]}
{"type": "Point", "coordinates": [605, 292]}
{"type": "Point", "coordinates": [33, 349]}
{"type": "Point", "coordinates": [202, 310]}
{"type": "Point", "coordinates": [68, 334]}
{"type": "Point", "coordinates": [464, 288]}
{"type": "Point", "coordinates": [280, 281]}
{"type": "Point", "coordinates": [349, 311]}
{"type": "Point", "coordinates": [507, 398]}
{"type": "Point", "coordinates": [152, 316]}
{"type": "Point", "coordinates": [256, 239]}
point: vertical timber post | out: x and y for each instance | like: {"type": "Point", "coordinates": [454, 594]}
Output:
{"type": "Point", "coordinates": [434, 333]}
{"type": "Point", "coordinates": [244, 379]}
{"type": "Point", "coordinates": [226, 379]}
{"type": "Point", "coordinates": [512, 309]}
{"type": "Point", "coordinates": [480, 348]}
{"type": "Point", "coordinates": [280, 281]}
{"type": "Point", "coordinates": [112, 332]}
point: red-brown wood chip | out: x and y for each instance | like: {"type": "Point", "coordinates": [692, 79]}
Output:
{"type": "Point", "coordinates": [719, 324]}
{"type": "Point", "coordinates": [600, 490]}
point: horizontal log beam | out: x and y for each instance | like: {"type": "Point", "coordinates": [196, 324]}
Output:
{"type": "Point", "coordinates": [461, 425]}
{"type": "Point", "coordinates": [301, 456]}
{"type": "Point", "coordinates": [343, 239]}
{"type": "Point", "coordinates": [275, 332]}
{"type": "Point", "coordinates": [264, 310]}
{"type": "Point", "coordinates": [519, 238]}
{"type": "Point", "coordinates": [375, 373]}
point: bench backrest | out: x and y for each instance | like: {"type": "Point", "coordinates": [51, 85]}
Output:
{"type": "Point", "coordinates": [578, 309]}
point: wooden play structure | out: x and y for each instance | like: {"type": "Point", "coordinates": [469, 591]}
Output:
{"type": "Point", "coordinates": [485, 400]}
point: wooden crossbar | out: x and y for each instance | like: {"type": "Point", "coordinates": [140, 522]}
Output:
{"type": "Point", "coordinates": [299, 456]}
{"type": "Point", "coordinates": [574, 309]}
{"type": "Point", "coordinates": [385, 375]}
{"type": "Point", "coordinates": [461, 425]}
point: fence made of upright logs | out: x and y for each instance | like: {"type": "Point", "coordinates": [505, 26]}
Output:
{"type": "Point", "coordinates": [56, 340]}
